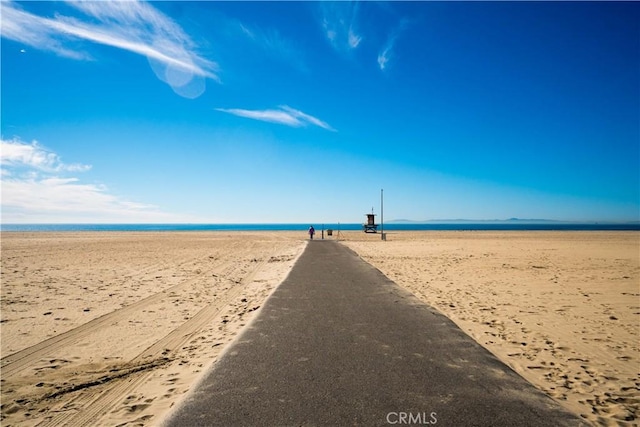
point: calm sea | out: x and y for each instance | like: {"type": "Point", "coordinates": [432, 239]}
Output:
{"type": "Point", "coordinates": [515, 226]}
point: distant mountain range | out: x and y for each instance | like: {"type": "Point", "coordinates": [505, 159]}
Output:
{"type": "Point", "coordinates": [503, 221]}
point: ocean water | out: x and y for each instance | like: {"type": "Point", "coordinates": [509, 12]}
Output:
{"type": "Point", "coordinates": [486, 226]}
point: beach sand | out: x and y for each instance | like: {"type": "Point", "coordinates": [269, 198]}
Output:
{"type": "Point", "coordinates": [113, 328]}
{"type": "Point", "coordinates": [560, 308]}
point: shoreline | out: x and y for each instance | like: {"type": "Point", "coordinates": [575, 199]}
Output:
{"type": "Point", "coordinates": [459, 225]}
{"type": "Point", "coordinates": [125, 297]}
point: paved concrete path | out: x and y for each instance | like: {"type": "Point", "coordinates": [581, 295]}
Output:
{"type": "Point", "coordinates": [339, 344]}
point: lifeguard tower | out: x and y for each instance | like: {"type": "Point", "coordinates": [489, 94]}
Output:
{"type": "Point", "coordinates": [370, 226]}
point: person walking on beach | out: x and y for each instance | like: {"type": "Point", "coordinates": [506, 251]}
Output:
{"type": "Point", "coordinates": [312, 231]}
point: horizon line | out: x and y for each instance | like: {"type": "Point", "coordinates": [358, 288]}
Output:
{"type": "Point", "coordinates": [457, 220]}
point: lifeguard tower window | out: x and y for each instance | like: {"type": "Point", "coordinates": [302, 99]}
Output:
{"type": "Point", "coordinates": [370, 226]}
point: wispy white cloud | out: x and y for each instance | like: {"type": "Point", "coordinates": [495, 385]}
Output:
{"type": "Point", "coordinates": [275, 45]}
{"type": "Point", "coordinates": [339, 22]}
{"type": "Point", "coordinates": [34, 31]}
{"type": "Point", "coordinates": [386, 53]}
{"type": "Point", "coordinates": [129, 25]}
{"type": "Point", "coordinates": [15, 153]}
{"type": "Point", "coordinates": [35, 188]}
{"type": "Point", "coordinates": [384, 56]}
{"type": "Point", "coordinates": [285, 115]}
{"type": "Point", "coordinates": [353, 39]}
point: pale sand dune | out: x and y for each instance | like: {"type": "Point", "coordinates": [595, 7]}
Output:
{"type": "Point", "coordinates": [561, 308]}
{"type": "Point", "coordinates": [113, 328]}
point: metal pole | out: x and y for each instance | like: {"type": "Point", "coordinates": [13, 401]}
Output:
{"type": "Point", "coordinates": [381, 214]}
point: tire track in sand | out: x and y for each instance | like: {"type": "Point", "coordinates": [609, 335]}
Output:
{"type": "Point", "coordinates": [87, 408]}
{"type": "Point", "coordinates": [16, 362]}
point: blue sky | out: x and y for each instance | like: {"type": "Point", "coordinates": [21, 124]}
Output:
{"type": "Point", "coordinates": [239, 112]}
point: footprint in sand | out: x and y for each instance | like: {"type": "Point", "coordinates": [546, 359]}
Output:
{"type": "Point", "coordinates": [137, 407]}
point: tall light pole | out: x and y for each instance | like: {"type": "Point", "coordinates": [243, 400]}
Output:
{"type": "Point", "coordinates": [382, 214]}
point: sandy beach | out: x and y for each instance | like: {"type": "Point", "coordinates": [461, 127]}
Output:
{"type": "Point", "coordinates": [560, 308]}
{"type": "Point", "coordinates": [114, 328]}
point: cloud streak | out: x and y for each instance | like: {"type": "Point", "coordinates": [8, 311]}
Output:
{"type": "Point", "coordinates": [285, 115]}
{"type": "Point", "coordinates": [275, 45]}
{"type": "Point", "coordinates": [34, 189]}
{"type": "Point", "coordinates": [386, 53]}
{"type": "Point", "coordinates": [132, 26]}
{"type": "Point", "coordinates": [15, 153]}
{"type": "Point", "coordinates": [339, 23]}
